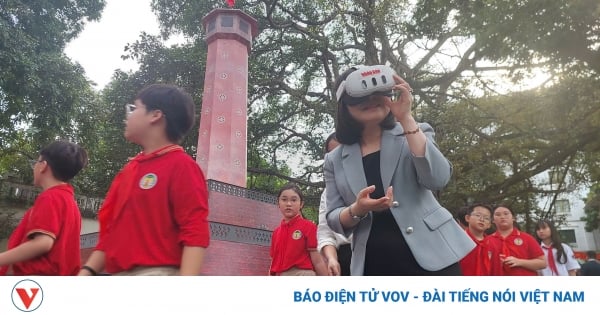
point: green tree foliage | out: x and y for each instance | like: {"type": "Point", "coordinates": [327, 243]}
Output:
{"type": "Point", "coordinates": [43, 95]}
{"type": "Point", "coordinates": [182, 65]}
{"type": "Point", "coordinates": [461, 57]}
{"type": "Point", "coordinates": [503, 146]}
{"type": "Point", "coordinates": [561, 32]}
{"type": "Point", "coordinates": [465, 60]}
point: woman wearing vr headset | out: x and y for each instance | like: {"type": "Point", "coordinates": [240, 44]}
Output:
{"type": "Point", "coordinates": [379, 183]}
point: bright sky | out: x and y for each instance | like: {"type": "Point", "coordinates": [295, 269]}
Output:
{"type": "Point", "coordinates": [99, 47]}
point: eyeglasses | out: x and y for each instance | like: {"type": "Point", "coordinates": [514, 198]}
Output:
{"type": "Point", "coordinates": [32, 163]}
{"type": "Point", "coordinates": [481, 217]}
{"type": "Point", "coordinates": [129, 108]}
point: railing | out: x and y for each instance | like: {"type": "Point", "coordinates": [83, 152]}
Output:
{"type": "Point", "coordinates": [218, 231]}
{"type": "Point", "coordinates": [89, 206]}
{"type": "Point", "coordinates": [26, 194]}
{"type": "Point", "coordinates": [238, 191]}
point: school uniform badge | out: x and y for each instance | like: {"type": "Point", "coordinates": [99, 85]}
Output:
{"type": "Point", "coordinates": [148, 181]}
{"type": "Point", "coordinates": [518, 241]}
{"type": "Point", "coordinates": [297, 234]}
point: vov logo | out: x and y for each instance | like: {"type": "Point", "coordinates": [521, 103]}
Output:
{"type": "Point", "coordinates": [27, 295]}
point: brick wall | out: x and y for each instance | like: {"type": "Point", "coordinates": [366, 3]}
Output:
{"type": "Point", "coordinates": [240, 233]}
{"type": "Point", "coordinates": [236, 259]}
{"type": "Point", "coordinates": [227, 258]}
{"type": "Point", "coordinates": [242, 211]}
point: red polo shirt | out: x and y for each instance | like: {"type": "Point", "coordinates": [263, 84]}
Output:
{"type": "Point", "coordinates": [478, 262]}
{"type": "Point", "coordinates": [291, 244]}
{"type": "Point", "coordinates": [520, 245]}
{"type": "Point", "coordinates": [166, 208]}
{"type": "Point", "coordinates": [54, 213]}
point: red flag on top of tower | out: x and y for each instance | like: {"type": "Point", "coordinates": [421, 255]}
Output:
{"type": "Point", "coordinates": [230, 3]}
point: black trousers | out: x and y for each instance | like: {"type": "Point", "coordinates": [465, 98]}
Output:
{"type": "Point", "coordinates": [344, 256]}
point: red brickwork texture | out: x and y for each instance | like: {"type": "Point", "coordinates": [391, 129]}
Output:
{"type": "Point", "coordinates": [236, 259]}
{"type": "Point", "coordinates": [225, 258]}
{"type": "Point", "coordinates": [241, 211]}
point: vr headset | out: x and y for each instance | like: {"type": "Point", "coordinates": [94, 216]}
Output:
{"type": "Point", "coordinates": [364, 82]}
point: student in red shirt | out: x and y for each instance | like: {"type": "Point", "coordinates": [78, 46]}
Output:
{"type": "Point", "coordinates": [520, 253]}
{"type": "Point", "coordinates": [483, 260]}
{"type": "Point", "coordinates": [46, 241]}
{"type": "Point", "coordinates": [154, 218]}
{"type": "Point", "coordinates": [294, 242]}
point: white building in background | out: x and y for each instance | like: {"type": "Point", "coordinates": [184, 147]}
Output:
{"type": "Point", "coordinates": [573, 231]}
{"type": "Point", "coordinates": [571, 206]}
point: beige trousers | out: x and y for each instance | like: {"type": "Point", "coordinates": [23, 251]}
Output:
{"type": "Point", "coordinates": [297, 272]}
{"type": "Point", "coordinates": [149, 271]}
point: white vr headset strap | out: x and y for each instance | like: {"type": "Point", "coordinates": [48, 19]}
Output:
{"type": "Point", "coordinates": [342, 87]}
{"type": "Point", "coordinates": [340, 90]}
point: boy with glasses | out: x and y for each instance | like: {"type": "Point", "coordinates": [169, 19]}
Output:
{"type": "Point", "coordinates": [483, 260]}
{"type": "Point", "coordinates": [46, 241]}
{"type": "Point", "coordinates": [154, 218]}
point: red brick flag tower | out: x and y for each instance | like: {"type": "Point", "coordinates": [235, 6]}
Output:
{"type": "Point", "coordinates": [223, 122]}
{"type": "Point", "coordinates": [241, 220]}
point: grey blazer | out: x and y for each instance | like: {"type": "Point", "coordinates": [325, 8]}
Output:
{"type": "Point", "coordinates": [435, 239]}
